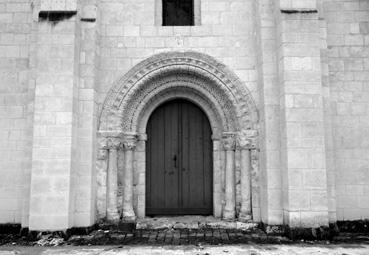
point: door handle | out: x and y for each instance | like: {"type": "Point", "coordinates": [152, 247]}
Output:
{"type": "Point", "coordinates": [175, 161]}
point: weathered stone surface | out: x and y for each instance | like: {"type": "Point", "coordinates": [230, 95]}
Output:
{"type": "Point", "coordinates": [192, 222]}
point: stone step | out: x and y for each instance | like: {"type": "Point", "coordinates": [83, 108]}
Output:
{"type": "Point", "coordinates": [193, 222]}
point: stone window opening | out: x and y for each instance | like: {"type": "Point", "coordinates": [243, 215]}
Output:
{"type": "Point", "coordinates": [177, 12]}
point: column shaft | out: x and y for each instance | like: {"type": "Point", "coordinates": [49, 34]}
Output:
{"type": "Point", "coordinates": [245, 213]}
{"type": "Point", "coordinates": [112, 185]}
{"type": "Point", "coordinates": [129, 147]}
{"type": "Point", "coordinates": [230, 194]}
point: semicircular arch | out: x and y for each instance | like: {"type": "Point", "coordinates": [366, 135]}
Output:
{"type": "Point", "coordinates": [194, 76]}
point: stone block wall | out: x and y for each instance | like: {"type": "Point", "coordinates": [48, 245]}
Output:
{"type": "Point", "coordinates": [129, 35]}
{"type": "Point", "coordinates": [306, 63]}
{"type": "Point", "coordinates": [348, 60]}
{"type": "Point", "coordinates": [15, 30]}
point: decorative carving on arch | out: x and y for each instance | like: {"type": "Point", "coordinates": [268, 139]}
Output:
{"type": "Point", "coordinates": [194, 76]}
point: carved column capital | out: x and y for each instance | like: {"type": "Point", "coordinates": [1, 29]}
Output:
{"type": "Point", "coordinates": [102, 154]}
{"type": "Point", "coordinates": [102, 143]}
{"type": "Point", "coordinates": [229, 141]}
{"type": "Point", "coordinates": [113, 143]}
{"type": "Point", "coordinates": [130, 142]}
{"type": "Point", "coordinates": [247, 139]}
{"type": "Point", "coordinates": [244, 143]}
{"type": "Point", "coordinates": [142, 137]}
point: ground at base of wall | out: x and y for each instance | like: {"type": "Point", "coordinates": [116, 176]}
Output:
{"type": "Point", "coordinates": [174, 237]}
{"type": "Point", "coordinates": [161, 231]}
{"type": "Point", "coordinates": [298, 249]}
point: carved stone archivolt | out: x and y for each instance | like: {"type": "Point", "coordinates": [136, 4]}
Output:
{"type": "Point", "coordinates": [205, 82]}
{"type": "Point", "coordinates": [209, 79]}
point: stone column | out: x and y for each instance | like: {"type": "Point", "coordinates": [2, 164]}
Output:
{"type": "Point", "coordinates": [129, 145]}
{"type": "Point", "coordinates": [102, 170]}
{"type": "Point", "coordinates": [229, 144]}
{"type": "Point", "coordinates": [140, 174]}
{"type": "Point", "coordinates": [244, 146]}
{"type": "Point", "coordinates": [217, 177]}
{"type": "Point", "coordinates": [112, 180]}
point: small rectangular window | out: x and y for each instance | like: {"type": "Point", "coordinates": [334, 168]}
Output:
{"type": "Point", "coordinates": [178, 12]}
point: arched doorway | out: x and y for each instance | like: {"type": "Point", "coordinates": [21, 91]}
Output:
{"type": "Point", "coordinates": [130, 103]}
{"type": "Point", "coordinates": [179, 164]}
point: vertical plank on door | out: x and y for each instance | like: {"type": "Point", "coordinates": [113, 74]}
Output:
{"type": "Point", "coordinates": [171, 151]}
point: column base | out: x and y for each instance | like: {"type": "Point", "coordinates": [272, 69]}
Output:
{"type": "Point", "coordinates": [129, 219]}
{"type": "Point", "coordinates": [229, 215]}
{"type": "Point", "coordinates": [129, 216]}
{"type": "Point", "coordinates": [112, 216]}
{"type": "Point", "coordinates": [245, 217]}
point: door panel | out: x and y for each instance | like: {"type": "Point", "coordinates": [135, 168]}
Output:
{"type": "Point", "coordinates": [179, 161]}
{"type": "Point", "coordinates": [171, 156]}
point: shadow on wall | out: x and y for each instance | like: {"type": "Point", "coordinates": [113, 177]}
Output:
{"type": "Point", "coordinates": [55, 17]}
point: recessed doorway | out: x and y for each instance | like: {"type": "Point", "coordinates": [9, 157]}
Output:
{"type": "Point", "coordinates": [179, 162]}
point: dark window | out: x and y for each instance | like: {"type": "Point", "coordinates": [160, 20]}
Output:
{"type": "Point", "coordinates": [178, 13]}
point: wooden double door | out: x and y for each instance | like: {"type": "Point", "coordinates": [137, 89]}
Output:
{"type": "Point", "coordinates": [179, 164]}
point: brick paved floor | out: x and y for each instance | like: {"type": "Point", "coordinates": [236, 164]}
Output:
{"type": "Point", "coordinates": [176, 237]}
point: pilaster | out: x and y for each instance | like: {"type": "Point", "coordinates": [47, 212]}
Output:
{"type": "Point", "coordinates": [269, 109]}
{"type": "Point", "coordinates": [85, 211]}
{"type": "Point", "coordinates": [54, 158]}
{"type": "Point", "coordinates": [302, 115]}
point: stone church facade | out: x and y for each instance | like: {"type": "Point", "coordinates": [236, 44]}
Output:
{"type": "Point", "coordinates": [104, 111]}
